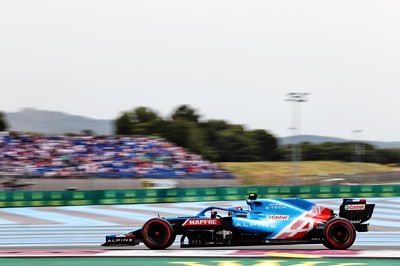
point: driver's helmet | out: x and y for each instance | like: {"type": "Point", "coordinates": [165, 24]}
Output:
{"type": "Point", "coordinates": [236, 208]}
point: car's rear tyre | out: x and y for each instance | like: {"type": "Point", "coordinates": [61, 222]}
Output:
{"type": "Point", "coordinates": [339, 234]}
{"type": "Point", "coordinates": [158, 234]}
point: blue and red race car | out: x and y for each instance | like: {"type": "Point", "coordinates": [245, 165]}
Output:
{"type": "Point", "coordinates": [267, 221]}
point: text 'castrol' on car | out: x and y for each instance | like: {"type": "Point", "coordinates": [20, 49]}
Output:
{"type": "Point", "coordinates": [267, 221]}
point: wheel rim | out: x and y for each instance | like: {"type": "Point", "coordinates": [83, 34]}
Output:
{"type": "Point", "coordinates": [157, 233]}
{"type": "Point", "coordinates": [340, 234]}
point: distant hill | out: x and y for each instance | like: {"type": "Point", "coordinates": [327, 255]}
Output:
{"type": "Point", "coordinates": [51, 122]}
{"type": "Point", "coordinates": [321, 139]}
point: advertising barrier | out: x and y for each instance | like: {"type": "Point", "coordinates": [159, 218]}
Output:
{"type": "Point", "coordinates": [107, 197]}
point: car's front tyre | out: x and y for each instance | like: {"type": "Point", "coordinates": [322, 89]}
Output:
{"type": "Point", "coordinates": [158, 233]}
{"type": "Point", "coordinates": [339, 234]}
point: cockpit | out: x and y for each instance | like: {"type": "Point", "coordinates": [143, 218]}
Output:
{"type": "Point", "coordinates": [219, 212]}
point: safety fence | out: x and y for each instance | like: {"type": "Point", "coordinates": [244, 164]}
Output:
{"type": "Point", "coordinates": [103, 197]}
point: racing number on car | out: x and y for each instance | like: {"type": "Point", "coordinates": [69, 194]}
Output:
{"type": "Point", "coordinates": [317, 209]}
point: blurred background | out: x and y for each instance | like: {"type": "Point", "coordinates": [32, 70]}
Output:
{"type": "Point", "coordinates": [123, 95]}
{"type": "Point", "coordinates": [145, 150]}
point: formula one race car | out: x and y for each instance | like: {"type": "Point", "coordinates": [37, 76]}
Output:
{"type": "Point", "coordinates": [267, 221]}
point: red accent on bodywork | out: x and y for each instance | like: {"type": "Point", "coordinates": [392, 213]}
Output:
{"type": "Point", "coordinates": [325, 215]}
{"type": "Point", "coordinates": [317, 215]}
{"type": "Point", "coordinates": [284, 236]}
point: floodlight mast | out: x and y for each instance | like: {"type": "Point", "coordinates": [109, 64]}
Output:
{"type": "Point", "coordinates": [358, 149]}
{"type": "Point", "coordinates": [296, 98]}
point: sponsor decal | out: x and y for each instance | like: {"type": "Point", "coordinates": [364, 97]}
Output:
{"type": "Point", "coordinates": [201, 222]}
{"type": "Point", "coordinates": [354, 207]}
{"type": "Point", "coordinates": [119, 240]}
{"type": "Point", "coordinates": [278, 217]}
{"type": "Point", "coordinates": [252, 224]}
{"type": "Point", "coordinates": [275, 206]}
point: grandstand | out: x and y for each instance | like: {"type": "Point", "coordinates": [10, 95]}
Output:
{"type": "Point", "coordinates": [100, 156]}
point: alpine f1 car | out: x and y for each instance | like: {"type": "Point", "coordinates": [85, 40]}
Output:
{"type": "Point", "coordinates": [266, 221]}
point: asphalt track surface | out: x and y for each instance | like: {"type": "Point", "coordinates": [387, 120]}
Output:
{"type": "Point", "coordinates": [82, 228]}
{"type": "Point", "coordinates": [176, 247]}
{"type": "Point", "coordinates": [196, 262]}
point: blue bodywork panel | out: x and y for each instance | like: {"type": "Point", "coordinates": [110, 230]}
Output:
{"type": "Point", "coordinates": [271, 215]}
{"type": "Point", "coordinates": [264, 216]}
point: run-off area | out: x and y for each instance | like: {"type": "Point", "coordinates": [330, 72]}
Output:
{"type": "Point", "coordinates": [195, 262]}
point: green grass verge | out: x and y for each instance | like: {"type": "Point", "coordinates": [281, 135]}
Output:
{"type": "Point", "coordinates": [280, 173]}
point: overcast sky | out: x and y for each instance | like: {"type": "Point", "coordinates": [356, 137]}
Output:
{"type": "Point", "coordinates": [232, 60]}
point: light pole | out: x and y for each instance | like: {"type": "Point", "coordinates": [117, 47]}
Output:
{"type": "Point", "coordinates": [358, 149]}
{"type": "Point", "coordinates": [296, 98]}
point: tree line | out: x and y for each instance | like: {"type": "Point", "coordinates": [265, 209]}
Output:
{"type": "Point", "coordinates": [218, 140]}
{"type": "Point", "coordinates": [221, 141]}
{"type": "Point", "coordinates": [344, 151]}
{"type": "Point", "coordinates": [3, 123]}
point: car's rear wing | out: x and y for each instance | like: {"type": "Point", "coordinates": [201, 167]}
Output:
{"type": "Point", "coordinates": [357, 211]}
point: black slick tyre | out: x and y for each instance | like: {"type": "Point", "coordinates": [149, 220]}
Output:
{"type": "Point", "coordinates": [338, 234]}
{"type": "Point", "coordinates": [158, 233]}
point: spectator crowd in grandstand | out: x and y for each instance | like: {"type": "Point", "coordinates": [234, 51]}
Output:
{"type": "Point", "coordinates": [27, 155]}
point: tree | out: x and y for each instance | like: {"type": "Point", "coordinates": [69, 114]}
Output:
{"type": "Point", "coordinates": [145, 121]}
{"type": "Point", "coordinates": [266, 145]}
{"type": "Point", "coordinates": [312, 152]}
{"type": "Point", "coordinates": [185, 112]}
{"type": "Point", "coordinates": [186, 134]}
{"type": "Point", "coordinates": [211, 128]}
{"type": "Point", "coordinates": [141, 121]}
{"type": "Point", "coordinates": [88, 132]}
{"type": "Point", "coordinates": [123, 125]}
{"type": "Point", "coordinates": [3, 123]}
{"type": "Point", "coordinates": [143, 114]}
{"type": "Point", "coordinates": [234, 146]}
{"type": "Point", "coordinates": [388, 155]}
{"type": "Point", "coordinates": [153, 128]}
{"type": "Point", "coordinates": [214, 139]}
